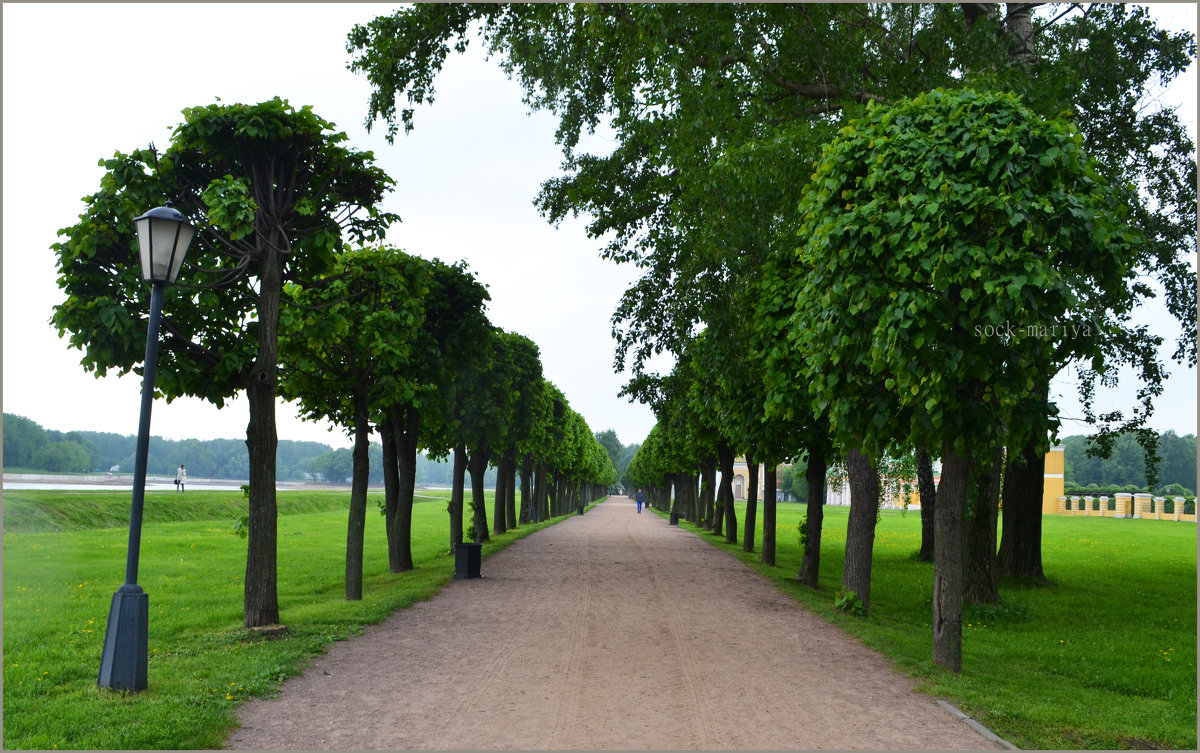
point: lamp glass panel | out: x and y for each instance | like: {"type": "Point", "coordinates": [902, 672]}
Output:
{"type": "Point", "coordinates": [162, 246]}
{"type": "Point", "coordinates": [144, 246]}
{"type": "Point", "coordinates": [186, 232]}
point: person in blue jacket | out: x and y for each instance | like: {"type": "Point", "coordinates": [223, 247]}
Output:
{"type": "Point", "coordinates": [641, 499]}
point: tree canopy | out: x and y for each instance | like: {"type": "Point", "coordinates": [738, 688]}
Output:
{"type": "Point", "coordinates": [720, 112]}
{"type": "Point", "coordinates": [263, 181]}
{"type": "Point", "coordinates": [952, 248]}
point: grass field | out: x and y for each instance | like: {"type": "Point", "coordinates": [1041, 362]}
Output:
{"type": "Point", "coordinates": [59, 580]}
{"type": "Point", "coordinates": [1103, 658]}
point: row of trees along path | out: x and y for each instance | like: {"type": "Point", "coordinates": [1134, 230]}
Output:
{"type": "Point", "coordinates": [610, 630]}
{"type": "Point", "coordinates": [290, 292]}
{"type": "Point", "coordinates": [842, 194]}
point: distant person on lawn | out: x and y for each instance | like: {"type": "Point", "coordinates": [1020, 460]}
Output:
{"type": "Point", "coordinates": [641, 498]}
{"type": "Point", "coordinates": [180, 477]}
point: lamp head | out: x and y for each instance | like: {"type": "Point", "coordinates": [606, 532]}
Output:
{"type": "Point", "coordinates": [164, 235]}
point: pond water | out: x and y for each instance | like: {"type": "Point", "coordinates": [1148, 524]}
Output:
{"type": "Point", "coordinates": [151, 486]}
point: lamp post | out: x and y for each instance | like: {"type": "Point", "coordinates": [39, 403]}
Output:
{"type": "Point", "coordinates": [163, 238]}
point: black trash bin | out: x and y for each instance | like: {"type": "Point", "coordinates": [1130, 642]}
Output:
{"type": "Point", "coordinates": [467, 557]}
{"type": "Point", "coordinates": [674, 518]}
{"type": "Point", "coordinates": [580, 509]}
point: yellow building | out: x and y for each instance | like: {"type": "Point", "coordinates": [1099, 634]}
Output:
{"type": "Point", "coordinates": [1054, 481]}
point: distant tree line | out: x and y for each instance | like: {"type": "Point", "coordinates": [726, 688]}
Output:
{"type": "Point", "coordinates": [28, 446]}
{"type": "Point", "coordinates": [1125, 467]}
{"type": "Point", "coordinates": [337, 466]}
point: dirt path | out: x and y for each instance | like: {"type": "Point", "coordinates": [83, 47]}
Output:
{"type": "Point", "coordinates": [610, 630]}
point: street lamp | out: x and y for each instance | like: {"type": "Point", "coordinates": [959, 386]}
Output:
{"type": "Point", "coordinates": [164, 235]}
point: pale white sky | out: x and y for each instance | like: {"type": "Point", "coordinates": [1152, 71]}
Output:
{"type": "Point", "coordinates": [115, 77]}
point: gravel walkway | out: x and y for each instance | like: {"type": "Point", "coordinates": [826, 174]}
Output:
{"type": "Point", "coordinates": [612, 630]}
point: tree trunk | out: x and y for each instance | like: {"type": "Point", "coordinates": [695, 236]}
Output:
{"type": "Point", "coordinates": [681, 496]}
{"type": "Point", "coordinates": [526, 489]}
{"type": "Point", "coordinates": [538, 481]}
{"type": "Point", "coordinates": [405, 430]}
{"type": "Point", "coordinates": [391, 490]}
{"type": "Point", "coordinates": [928, 494]}
{"type": "Point", "coordinates": [1018, 23]}
{"type": "Point", "coordinates": [725, 457]}
{"type": "Point", "coordinates": [860, 526]}
{"type": "Point", "coordinates": [708, 479]}
{"type": "Point", "coordinates": [261, 598]}
{"type": "Point", "coordinates": [510, 492]}
{"type": "Point", "coordinates": [357, 520]}
{"type": "Point", "coordinates": [686, 489]}
{"type": "Point", "coordinates": [540, 492]}
{"type": "Point", "coordinates": [1021, 541]}
{"type": "Point", "coordinates": [456, 498]}
{"type": "Point", "coordinates": [751, 503]}
{"type": "Point", "coordinates": [499, 503]}
{"type": "Point", "coordinates": [695, 499]}
{"type": "Point", "coordinates": [979, 540]}
{"type": "Point", "coordinates": [770, 485]}
{"type": "Point", "coordinates": [947, 562]}
{"type": "Point", "coordinates": [810, 562]}
{"type": "Point", "coordinates": [477, 464]}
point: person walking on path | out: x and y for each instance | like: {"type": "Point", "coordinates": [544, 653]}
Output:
{"type": "Point", "coordinates": [180, 477]}
{"type": "Point", "coordinates": [641, 499]}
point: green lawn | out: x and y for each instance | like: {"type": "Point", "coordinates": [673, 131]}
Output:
{"type": "Point", "coordinates": [58, 585]}
{"type": "Point", "coordinates": [1105, 657]}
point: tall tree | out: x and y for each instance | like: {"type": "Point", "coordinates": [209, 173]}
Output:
{"type": "Point", "coordinates": [790, 412]}
{"type": "Point", "coordinates": [475, 424]}
{"type": "Point", "coordinates": [272, 190]}
{"type": "Point", "coordinates": [346, 338]}
{"type": "Point", "coordinates": [611, 444]}
{"type": "Point", "coordinates": [421, 414]}
{"type": "Point", "coordinates": [1107, 60]}
{"type": "Point", "coordinates": [923, 223]}
{"type": "Point", "coordinates": [523, 374]}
